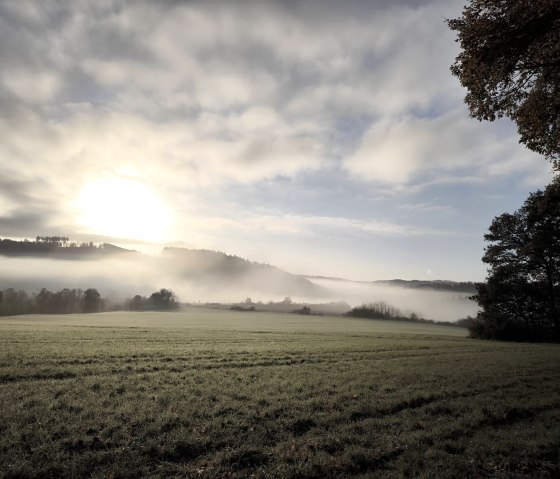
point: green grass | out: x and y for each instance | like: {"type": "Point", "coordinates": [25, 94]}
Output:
{"type": "Point", "coordinates": [212, 394]}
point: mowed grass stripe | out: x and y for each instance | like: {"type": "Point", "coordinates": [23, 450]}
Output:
{"type": "Point", "coordinates": [128, 366]}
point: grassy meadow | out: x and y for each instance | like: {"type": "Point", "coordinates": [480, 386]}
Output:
{"type": "Point", "coordinates": [215, 394]}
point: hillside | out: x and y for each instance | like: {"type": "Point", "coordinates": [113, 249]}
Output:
{"type": "Point", "coordinates": [433, 285]}
{"type": "Point", "coordinates": [211, 276]}
{"type": "Point", "coordinates": [221, 269]}
{"type": "Point", "coordinates": [437, 285]}
{"type": "Point", "coordinates": [58, 247]}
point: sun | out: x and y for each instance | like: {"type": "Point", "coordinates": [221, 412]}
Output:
{"type": "Point", "coordinates": [123, 208]}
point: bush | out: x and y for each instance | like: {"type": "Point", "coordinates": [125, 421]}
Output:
{"type": "Point", "coordinates": [507, 329]}
{"type": "Point", "coordinates": [377, 310]}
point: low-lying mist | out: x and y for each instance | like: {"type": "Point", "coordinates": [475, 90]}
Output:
{"type": "Point", "coordinates": [213, 280]}
{"type": "Point", "coordinates": [427, 303]}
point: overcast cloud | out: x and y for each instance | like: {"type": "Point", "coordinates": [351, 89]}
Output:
{"type": "Point", "coordinates": [325, 137]}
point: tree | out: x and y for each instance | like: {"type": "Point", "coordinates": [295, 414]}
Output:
{"type": "Point", "coordinates": [91, 301]}
{"type": "Point", "coordinates": [510, 66]}
{"type": "Point", "coordinates": [163, 299]}
{"type": "Point", "coordinates": [521, 298]}
{"type": "Point", "coordinates": [14, 302]}
{"type": "Point", "coordinates": [138, 303]}
{"type": "Point", "coordinates": [377, 310]}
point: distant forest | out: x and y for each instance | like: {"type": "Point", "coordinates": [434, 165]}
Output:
{"type": "Point", "coordinates": [436, 285]}
{"type": "Point", "coordinates": [72, 301]}
{"type": "Point", "coordinates": [382, 310]}
{"type": "Point", "coordinates": [59, 246]}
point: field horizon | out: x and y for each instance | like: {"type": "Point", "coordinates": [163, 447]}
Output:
{"type": "Point", "coordinates": [218, 318]}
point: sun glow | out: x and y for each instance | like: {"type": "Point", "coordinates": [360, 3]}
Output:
{"type": "Point", "coordinates": [123, 208]}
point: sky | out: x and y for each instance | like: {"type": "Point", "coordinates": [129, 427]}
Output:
{"type": "Point", "coordinates": [323, 137]}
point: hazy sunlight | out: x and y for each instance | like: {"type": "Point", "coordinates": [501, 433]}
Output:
{"type": "Point", "coordinates": [123, 208]}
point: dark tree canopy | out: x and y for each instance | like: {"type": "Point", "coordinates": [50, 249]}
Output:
{"type": "Point", "coordinates": [510, 66]}
{"type": "Point", "coordinates": [521, 298]}
{"type": "Point", "coordinates": [92, 302]}
{"type": "Point", "coordinates": [138, 303]}
{"type": "Point", "coordinates": [163, 299]}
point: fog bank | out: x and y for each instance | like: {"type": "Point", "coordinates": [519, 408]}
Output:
{"type": "Point", "coordinates": [220, 280]}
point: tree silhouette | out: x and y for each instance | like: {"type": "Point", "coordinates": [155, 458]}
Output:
{"type": "Point", "coordinates": [138, 303]}
{"type": "Point", "coordinates": [521, 298]}
{"type": "Point", "coordinates": [163, 299]}
{"type": "Point", "coordinates": [91, 302]}
{"type": "Point", "coordinates": [510, 66]}
{"type": "Point", "coordinates": [14, 302]}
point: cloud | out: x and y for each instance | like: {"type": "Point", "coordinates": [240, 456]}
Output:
{"type": "Point", "coordinates": [245, 93]}
{"type": "Point", "coordinates": [213, 149]}
{"type": "Point", "coordinates": [318, 118]}
{"type": "Point", "coordinates": [32, 86]}
{"type": "Point", "coordinates": [409, 149]}
{"type": "Point", "coordinates": [20, 223]}
{"type": "Point", "coordinates": [314, 226]}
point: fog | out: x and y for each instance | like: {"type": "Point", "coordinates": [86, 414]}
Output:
{"type": "Point", "coordinates": [119, 278]}
{"type": "Point", "coordinates": [427, 303]}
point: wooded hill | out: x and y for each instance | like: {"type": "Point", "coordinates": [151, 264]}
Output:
{"type": "Point", "coordinates": [59, 247]}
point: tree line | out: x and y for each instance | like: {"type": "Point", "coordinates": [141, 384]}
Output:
{"type": "Point", "coordinates": [520, 299]}
{"type": "Point", "coordinates": [509, 65]}
{"type": "Point", "coordinates": [56, 245]}
{"type": "Point", "coordinates": [382, 310]}
{"type": "Point", "coordinates": [161, 300]}
{"type": "Point", "coordinates": [73, 301]}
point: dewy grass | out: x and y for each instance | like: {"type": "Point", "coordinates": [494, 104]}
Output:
{"type": "Point", "coordinates": [204, 393]}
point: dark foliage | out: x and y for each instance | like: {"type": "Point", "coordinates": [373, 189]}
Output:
{"type": "Point", "coordinates": [73, 301]}
{"type": "Point", "coordinates": [138, 303]}
{"type": "Point", "coordinates": [92, 301]}
{"type": "Point", "coordinates": [466, 322]}
{"type": "Point", "coordinates": [163, 299]}
{"type": "Point", "coordinates": [437, 285]}
{"type": "Point", "coordinates": [510, 66]}
{"type": "Point", "coordinates": [381, 310]}
{"type": "Point", "coordinates": [236, 307]}
{"type": "Point", "coordinates": [59, 247]}
{"type": "Point", "coordinates": [14, 302]}
{"type": "Point", "coordinates": [521, 297]}
{"type": "Point", "coordinates": [65, 301]}
{"type": "Point", "coordinates": [377, 310]}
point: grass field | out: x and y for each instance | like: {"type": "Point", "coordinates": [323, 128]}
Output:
{"type": "Point", "coordinates": [208, 394]}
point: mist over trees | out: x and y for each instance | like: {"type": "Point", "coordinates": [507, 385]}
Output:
{"type": "Point", "coordinates": [162, 300]}
{"type": "Point", "coordinates": [66, 301]}
{"type": "Point", "coordinates": [91, 301]}
{"type": "Point", "coordinates": [58, 246]}
{"type": "Point", "coordinates": [74, 301]}
{"type": "Point", "coordinates": [382, 310]}
{"type": "Point", "coordinates": [377, 310]}
{"type": "Point", "coordinates": [510, 66]}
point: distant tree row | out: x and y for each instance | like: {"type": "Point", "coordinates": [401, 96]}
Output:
{"type": "Point", "coordinates": [56, 245]}
{"type": "Point", "coordinates": [439, 285]}
{"type": "Point", "coordinates": [66, 301]}
{"type": "Point", "coordinates": [72, 301]}
{"type": "Point", "coordinates": [382, 310]}
{"type": "Point", "coordinates": [52, 239]}
{"type": "Point", "coordinates": [377, 310]}
{"type": "Point", "coordinates": [164, 299]}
